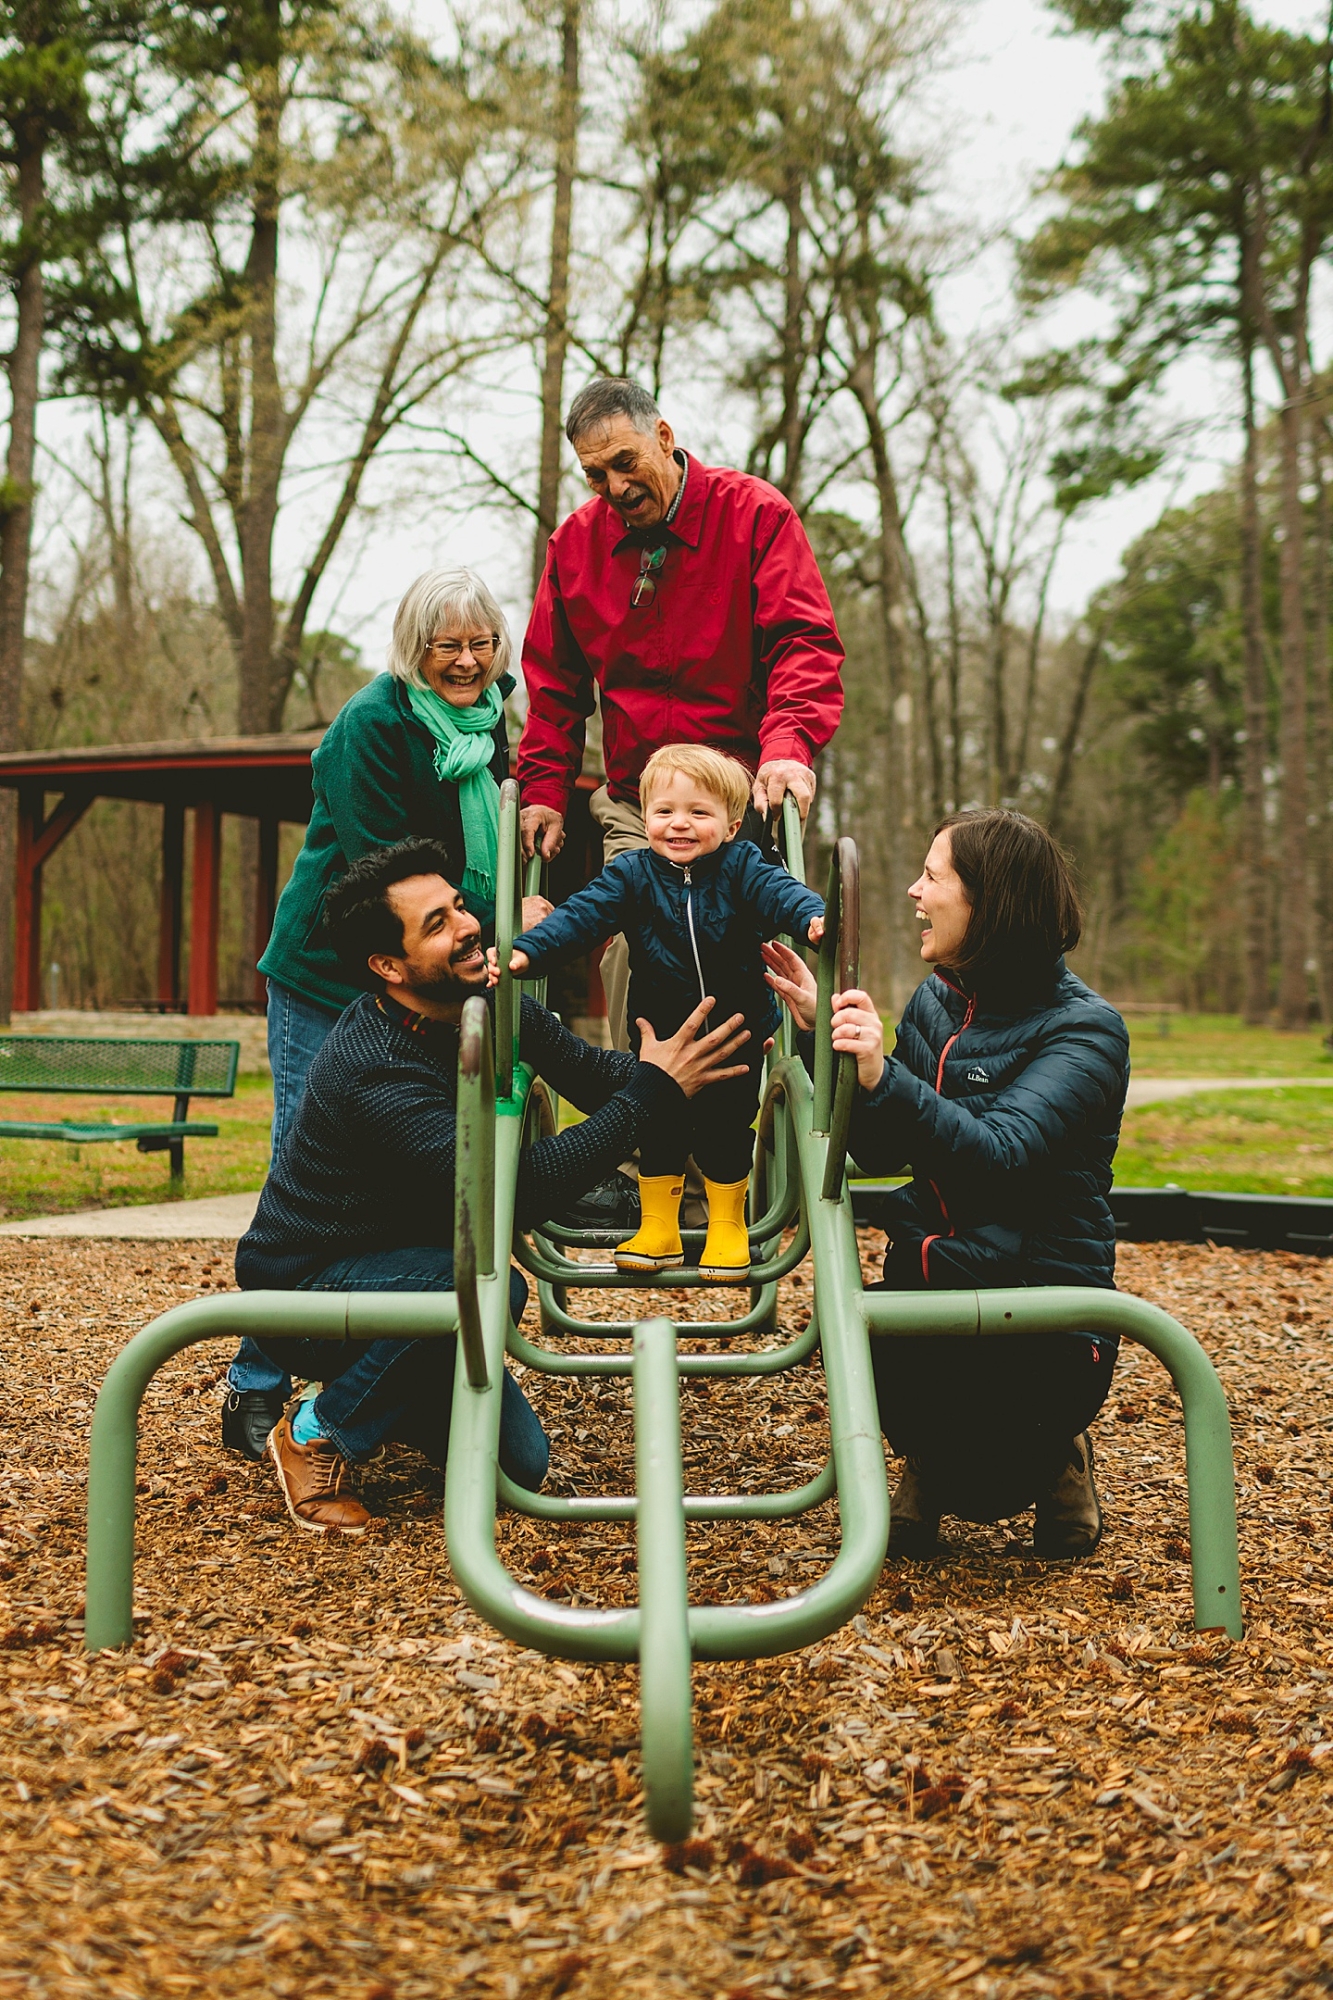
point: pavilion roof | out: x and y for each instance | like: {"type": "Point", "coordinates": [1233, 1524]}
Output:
{"type": "Point", "coordinates": [265, 776]}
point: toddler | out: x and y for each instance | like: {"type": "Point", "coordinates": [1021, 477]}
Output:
{"type": "Point", "coordinates": [695, 905]}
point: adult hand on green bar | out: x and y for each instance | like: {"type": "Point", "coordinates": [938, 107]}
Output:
{"type": "Point", "coordinates": [695, 1064]}
{"type": "Point", "coordinates": [858, 1031]}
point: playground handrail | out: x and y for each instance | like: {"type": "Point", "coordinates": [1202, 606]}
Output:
{"type": "Point", "coordinates": [474, 1181]}
{"type": "Point", "coordinates": [839, 964]}
{"type": "Point", "coordinates": [508, 925]}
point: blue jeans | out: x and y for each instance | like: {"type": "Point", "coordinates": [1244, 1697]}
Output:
{"type": "Point", "coordinates": [297, 1031]}
{"type": "Point", "coordinates": [377, 1390]}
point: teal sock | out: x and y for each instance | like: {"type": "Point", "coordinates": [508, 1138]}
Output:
{"type": "Point", "coordinates": [306, 1426]}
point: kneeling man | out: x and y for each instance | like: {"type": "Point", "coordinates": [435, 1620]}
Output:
{"type": "Point", "coordinates": [361, 1194]}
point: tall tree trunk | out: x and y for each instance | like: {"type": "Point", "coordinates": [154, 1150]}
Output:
{"type": "Point", "coordinates": [1068, 753]}
{"type": "Point", "coordinates": [955, 666]}
{"type": "Point", "coordinates": [262, 694]}
{"type": "Point", "coordinates": [1022, 747]}
{"type": "Point", "coordinates": [1294, 926]}
{"type": "Point", "coordinates": [896, 814]}
{"type": "Point", "coordinates": [1321, 725]}
{"type": "Point", "coordinates": [1254, 872]}
{"type": "Point", "coordinates": [557, 296]}
{"type": "Point", "coordinates": [997, 650]}
{"type": "Point", "coordinates": [16, 506]}
{"type": "Point", "coordinates": [267, 416]}
{"type": "Point", "coordinates": [792, 347]}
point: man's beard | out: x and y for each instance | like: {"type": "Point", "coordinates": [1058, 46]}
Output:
{"type": "Point", "coordinates": [445, 981]}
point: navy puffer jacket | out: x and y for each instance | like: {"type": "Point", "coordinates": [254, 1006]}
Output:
{"type": "Point", "coordinates": [1008, 1117]}
{"type": "Point", "coordinates": [692, 931]}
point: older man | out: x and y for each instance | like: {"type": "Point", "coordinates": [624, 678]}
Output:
{"type": "Point", "coordinates": [689, 597]}
{"type": "Point", "coordinates": [360, 1196]}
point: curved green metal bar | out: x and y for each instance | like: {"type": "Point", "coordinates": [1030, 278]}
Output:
{"type": "Point", "coordinates": [563, 1271]}
{"type": "Point", "coordinates": [508, 924]}
{"type": "Point", "coordinates": [113, 1446]}
{"type": "Point", "coordinates": [764, 1361]}
{"type": "Point", "coordinates": [789, 837]}
{"type": "Point", "coordinates": [535, 883]}
{"type": "Point", "coordinates": [1210, 1467]}
{"type": "Point", "coordinates": [733, 1631]}
{"type": "Point", "coordinates": [844, 898]}
{"type": "Point", "coordinates": [839, 959]}
{"type": "Point", "coordinates": [474, 1181]}
{"type": "Point", "coordinates": [698, 1506]}
{"type": "Point", "coordinates": [558, 1317]}
{"type": "Point", "coordinates": [664, 1597]}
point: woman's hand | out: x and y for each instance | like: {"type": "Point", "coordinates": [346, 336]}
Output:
{"type": "Point", "coordinates": [858, 1031]}
{"type": "Point", "coordinates": [792, 981]}
{"type": "Point", "coordinates": [534, 909]}
{"type": "Point", "coordinates": [816, 930]}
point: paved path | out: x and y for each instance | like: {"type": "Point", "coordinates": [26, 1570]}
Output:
{"type": "Point", "coordinates": [1157, 1089]}
{"type": "Point", "coordinates": [224, 1218]}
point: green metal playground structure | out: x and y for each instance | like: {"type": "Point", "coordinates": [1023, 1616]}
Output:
{"type": "Point", "coordinates": [799, 1186]}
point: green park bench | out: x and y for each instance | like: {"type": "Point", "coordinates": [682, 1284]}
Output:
{"type": "Point", "coordinates": [800, 1186]}
{"type": "Point", "coordinates": [80, 1065]}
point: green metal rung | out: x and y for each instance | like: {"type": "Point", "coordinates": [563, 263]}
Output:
{"type": "Point", "coordinates": [1057, 1309]}
{"type": "Point", "coordinates": [664, 1596]}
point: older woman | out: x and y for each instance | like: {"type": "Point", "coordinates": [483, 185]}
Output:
{"type": "Point", "coordinates": [1003, 1095]}
{"type": "Point", "coordinates": [421, 750]}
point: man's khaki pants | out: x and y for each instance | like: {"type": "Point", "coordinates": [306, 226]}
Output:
{"type": "Point", "coordinates": [622, 832]}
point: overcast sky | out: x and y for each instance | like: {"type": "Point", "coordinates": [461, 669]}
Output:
{"type": "Point", "coordinates": [1006, 101]}
{"type": "Point", "coordinates": [1017, 87]}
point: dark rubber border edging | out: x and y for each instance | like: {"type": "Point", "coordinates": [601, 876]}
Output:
{"type": "Point", "coordinates": [1176, 1215]}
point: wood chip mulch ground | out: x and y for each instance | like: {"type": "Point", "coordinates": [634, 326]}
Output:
{"type": "Point", "coordinates": [318, 1773]}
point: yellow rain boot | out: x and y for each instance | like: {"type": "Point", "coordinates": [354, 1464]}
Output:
{"type": "Point", "coordinates": [655, 1244]}
{"type": "Point", "coordinates": [726, 1258]}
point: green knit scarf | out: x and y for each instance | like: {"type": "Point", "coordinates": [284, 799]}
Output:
{"type": "Point", "coordinates": [463, 752]}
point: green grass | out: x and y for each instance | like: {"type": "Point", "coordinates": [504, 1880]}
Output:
{"type": "Point", "coordinates": [1256, 1141]}
{"type": "Point", "coordinates": [1273, 1142]}
{"type": "Point", "coordinates": [1221, 1045]}
{"type": "Point", "coordinates": [48, 1177]}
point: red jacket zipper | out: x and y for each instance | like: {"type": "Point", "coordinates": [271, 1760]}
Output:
{"type": "Point", "coordinates": [939, 1092]}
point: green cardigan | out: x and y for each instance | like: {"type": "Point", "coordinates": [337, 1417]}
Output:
{"type": "Point", "coordinates": [375, 783]}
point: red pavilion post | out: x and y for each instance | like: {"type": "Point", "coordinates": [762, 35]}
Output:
{"type": "Point", "coordinates": [203, 992]}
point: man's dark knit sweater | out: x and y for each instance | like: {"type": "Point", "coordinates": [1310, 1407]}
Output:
{"type": "Point", "coordinates": [368, 1161]}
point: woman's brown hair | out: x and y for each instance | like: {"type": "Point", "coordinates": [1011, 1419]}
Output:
{"type": "Point", "coordinates": [1025, 904]}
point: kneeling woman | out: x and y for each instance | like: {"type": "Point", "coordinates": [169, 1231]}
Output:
{"type": "Point", "coordinates": [1003, 1096]}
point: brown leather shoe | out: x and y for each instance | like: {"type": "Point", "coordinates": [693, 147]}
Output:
{"type": "Point", "coordinates": [313, 1478]}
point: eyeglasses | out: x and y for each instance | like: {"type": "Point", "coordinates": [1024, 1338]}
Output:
{"type": "Point", "coordinates": [645, 583]}
{"type": "Point", "coordinates": [446, 651]}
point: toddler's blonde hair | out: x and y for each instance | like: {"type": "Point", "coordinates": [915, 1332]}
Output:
{"type": "Point", "coordinates": [723, 778]}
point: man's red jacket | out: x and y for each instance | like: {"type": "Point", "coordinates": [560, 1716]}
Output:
{"type": "Point", "coordinates": [737, 648]}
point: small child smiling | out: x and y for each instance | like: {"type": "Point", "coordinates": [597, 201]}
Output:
{"type": "Point", "coordinates": [695, 905]}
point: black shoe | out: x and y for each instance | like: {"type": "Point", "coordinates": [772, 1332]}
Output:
{"type": "Point", "coordinates": [1069, 1514]}
{"type": "Point", "coordinates": [613, 1204]}
{"type": "Point", "coordinates": [248, 1415]}
{"type": "Point", "coordinates": [914, 1516]}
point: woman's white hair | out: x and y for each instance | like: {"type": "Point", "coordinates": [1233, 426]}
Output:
{"type": "Point", "coordinates": [453, 600]}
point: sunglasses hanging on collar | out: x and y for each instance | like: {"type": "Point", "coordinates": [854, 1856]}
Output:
{"type": "Point", "coordinates": [645, 583]}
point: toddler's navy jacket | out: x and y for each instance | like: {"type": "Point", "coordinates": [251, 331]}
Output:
{"type": "Point", "coordinates": [1008, 1119]}
{"type": "Point", "coordinates": [692, 931]}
